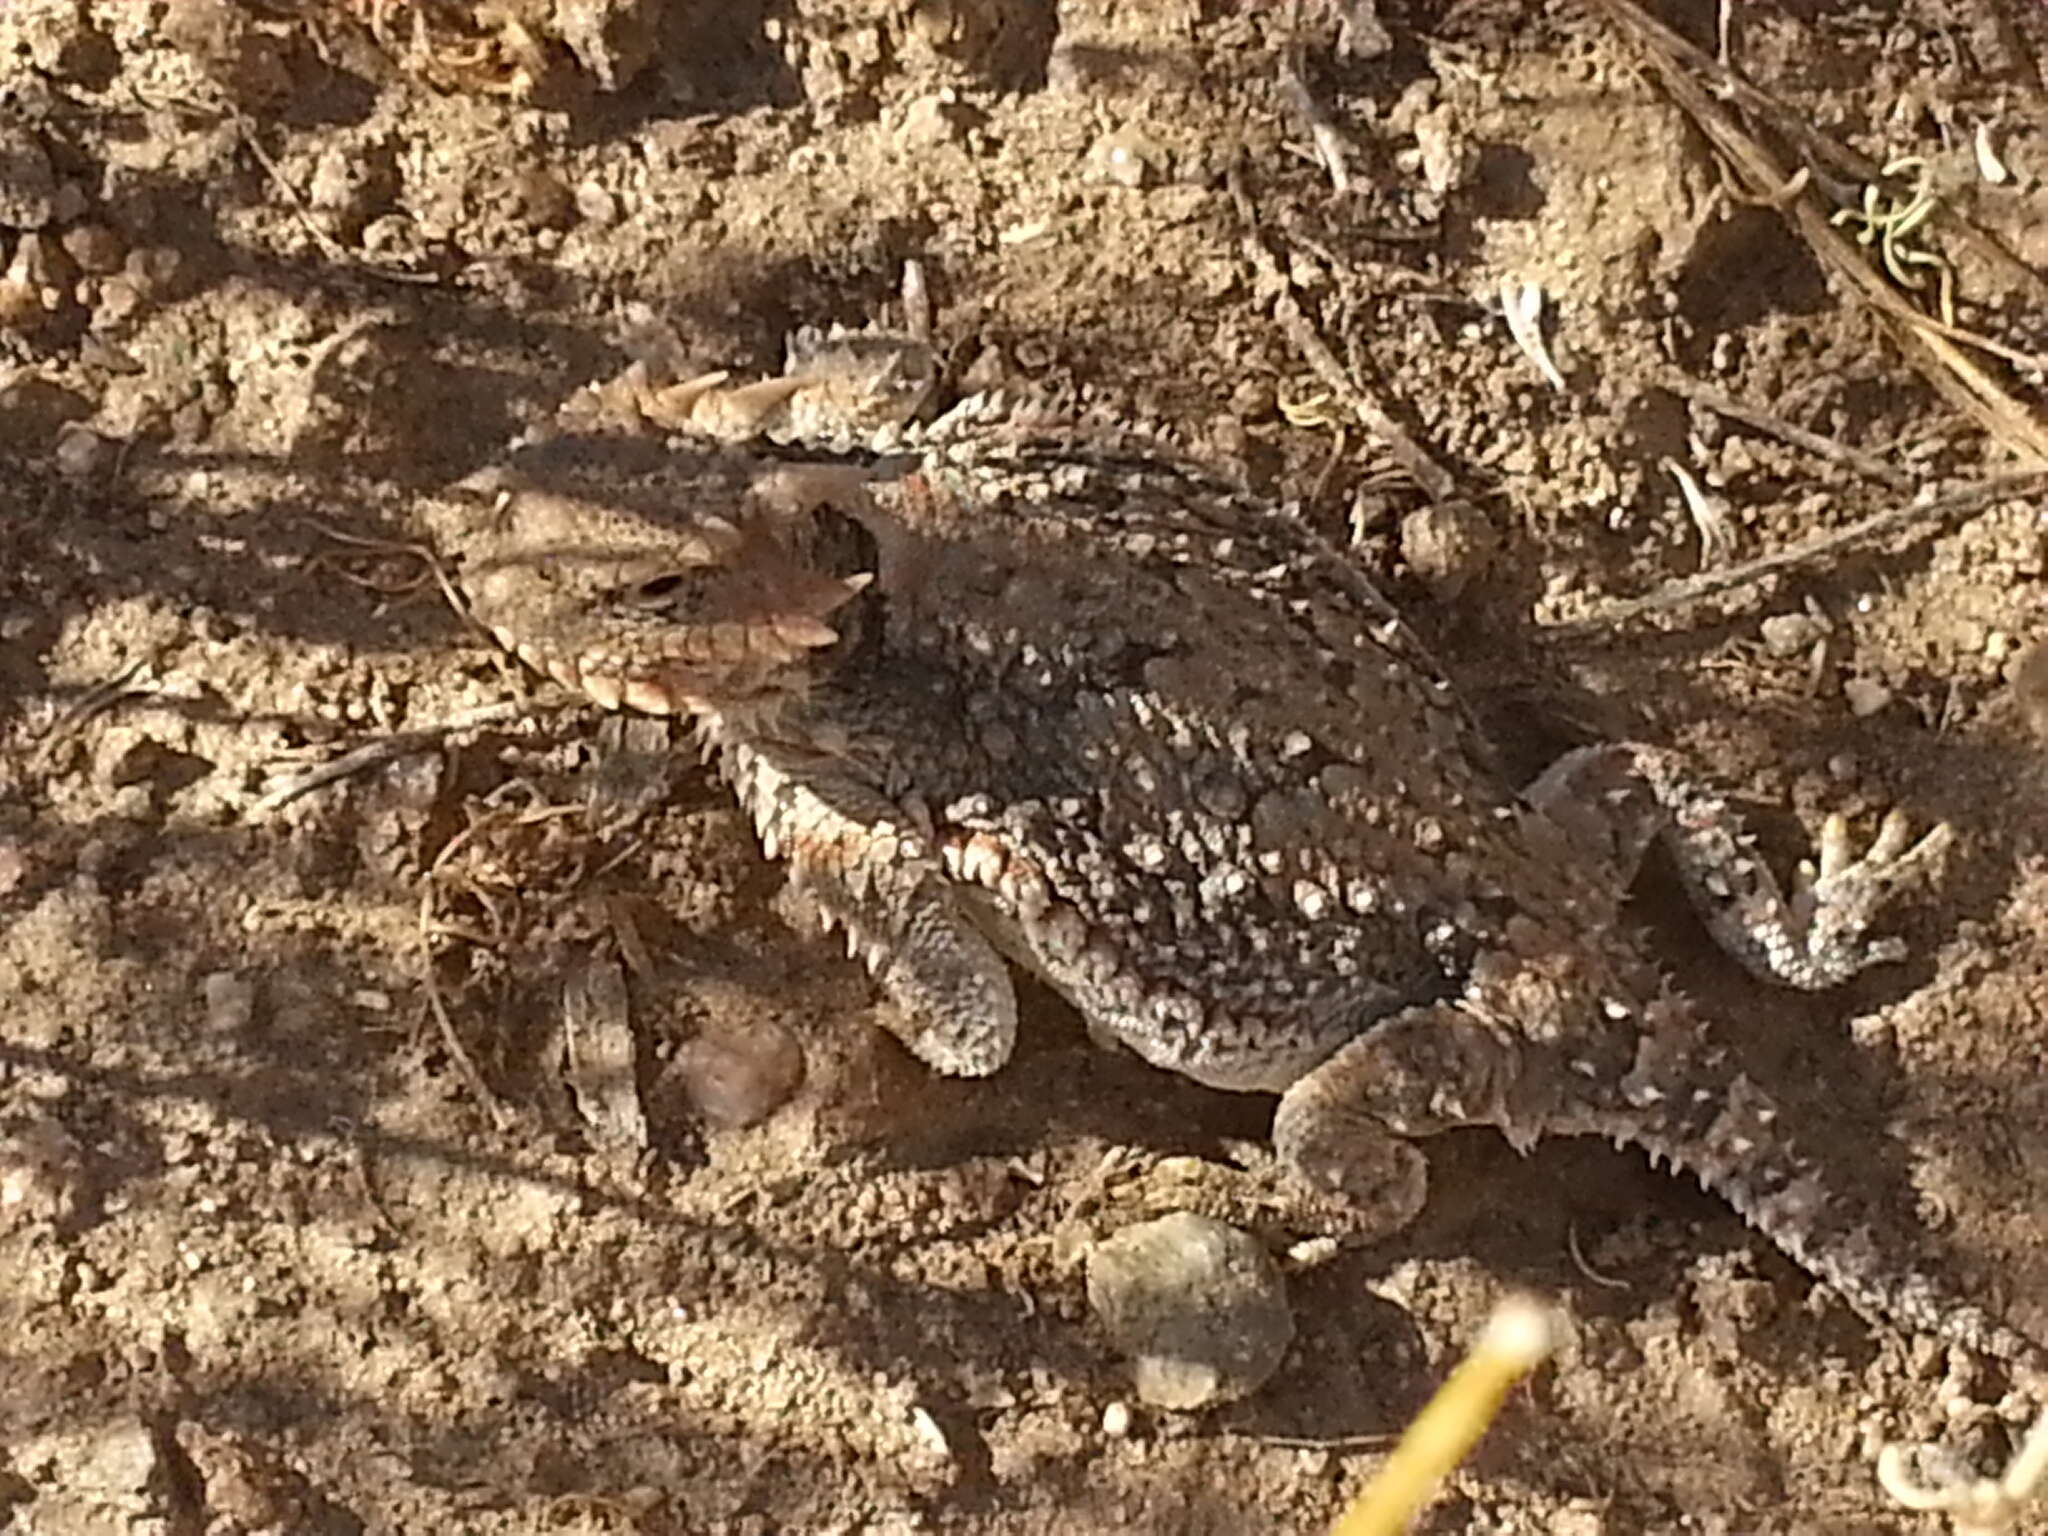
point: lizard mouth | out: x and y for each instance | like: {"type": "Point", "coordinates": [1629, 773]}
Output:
{"type": "Point", "coordinates": [660, 665]}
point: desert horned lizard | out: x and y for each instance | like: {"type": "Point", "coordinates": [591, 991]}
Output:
{"type": "Point", "coordinates": [1004, 689]}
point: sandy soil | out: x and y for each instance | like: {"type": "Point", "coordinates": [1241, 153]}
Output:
{"type": "Point", "coordinates": [274, 1261]}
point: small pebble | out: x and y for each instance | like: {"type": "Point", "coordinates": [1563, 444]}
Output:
{"type": "Point", "coordinates": [388, 232]}
{"type": "Point", "coordinates": [612, 39]}
{"type": "Point", "coordinates": [95, 248]}
{"type": "Point", "coordinates": [1446, 545]}
{"type": "Point", "coordinates": [349, 186]}
{"type": "Point", "coordinates": [230, 1002]}
{"type": "Point", "coordinates": [120, 1461]}
{"type": "Point", "coordinates": [1313, 1252]}
{"type": "Point", "coordinates": [1071, 71]}
{"type": "Point", "coordinates": [152, 268]}
{"type": "Point", "coordinates": [39, 1172]}
{"type": "Point", "coordinates": [1034, 354]}
{"type": "Point", "coordinates": [932, 120]}
{"type": "Point", "coordinates": [1578, 1519]}
{"type": "Point", "coordinates": [1124, 158]}
{"type": "Point", "coordinates": [1786, 635]}
{"type": "Point", "coordinates": [21, 307]}
{"type": "Point", "coordinates": [1199, 1307]}
{"type": "Point", "coordinates": [1360, 32]}
{"type": "Point", "coordinates": [1116, 1420]}
{"type": "Point", "coordinates": [929, 1435]}
{"type": "Point", "coordinates": [1865, 697]}
{"type": "Point", "coordinates": [738, 1074]}
{"type": "Point", "coordinates": [38, 284]}
{"type": "Point", "coordinates": [337, 179]}
{"type": "Point", "coordinates": [41, 260]}
{"type": "Point", "coordinates": [1447, 156]}
{"type": "Point", "coordinates": [245, 1490]}
{"type": "Point", "coordinates": [594, 205]}
{"type": "Point", "coordinates": [120, 298]}
{"type": "Point", "coordinates": [81, 453]}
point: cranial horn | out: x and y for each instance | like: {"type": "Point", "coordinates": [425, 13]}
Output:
{"type": "Point", "coordinates": [744, 408]}
{"type": "Point", "coordinates": [804, 632]}
{"type": "Point", "coordinates": [671, 405]}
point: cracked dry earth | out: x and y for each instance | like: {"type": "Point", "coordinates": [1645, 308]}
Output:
{"type": "Point", "coordinates": [279, 1256]}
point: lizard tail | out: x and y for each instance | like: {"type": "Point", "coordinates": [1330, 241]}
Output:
{"type": "Point", "coordinates": [1698, 1114]}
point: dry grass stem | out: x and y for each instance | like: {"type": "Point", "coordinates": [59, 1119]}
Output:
{"type": "Point", "coordinates": [1517, 1339]}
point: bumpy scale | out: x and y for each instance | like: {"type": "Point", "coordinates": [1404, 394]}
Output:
{"type": "Point", "coordinates": [1005, 688]}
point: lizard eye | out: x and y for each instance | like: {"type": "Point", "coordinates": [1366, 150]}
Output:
{"type": "Point", "coordinates": [671, 592]}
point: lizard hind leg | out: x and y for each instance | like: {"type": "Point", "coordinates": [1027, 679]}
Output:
{"type": "Point", "coordinates": [1347, 1128]}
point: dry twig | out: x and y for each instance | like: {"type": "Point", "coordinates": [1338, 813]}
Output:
{"type": "Point", "coordinates": [1985, 1508]}
{"type": "Point", "coordinates": [1332, 148]}
{"type": "Point", "coordinates": [1837, 159]}
{"type": "Point", "coordinates": [458, 1053]}
{"type": "Point", "coordinates": [1860, 460]}
{"type": "Point", "coordinates": [1932, 515]}
{"type": "Point", "coordinates": [330, 247]}
{"type": "Point", "coordinates": [373, 753]}
{"type": "Point", "coordinates": [1929, 345]}
{"type": "Point", "coordinates": [1371, 414]}
{"type": "Point", "coordinates": [92, 701]}
{"type": "Point", "coordinates": [1518, 1337]}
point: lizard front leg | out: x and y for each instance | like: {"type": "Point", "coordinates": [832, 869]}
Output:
{"type": "Point", "coordinates": [875, 877]}
{"type": "Point", "coordinates": [1613, 799]}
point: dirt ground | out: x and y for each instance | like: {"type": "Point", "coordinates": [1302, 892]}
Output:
{"type": "Point", "coordinates": [275, 1259]}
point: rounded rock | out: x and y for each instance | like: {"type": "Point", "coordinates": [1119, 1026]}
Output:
{"type": "Point", "coordinates": [1446, 545]}
{"type": "Point", "coordinates": [1124, 159]}
{"type": "Point", "coordinates": [1786, 635]}
{"type": "Point", "coordinates": [1865, 696]}
{"type": "Point", "coordinates": [595, 205]}
{"type": "Point", "coordinates": [737, 1074]}
{"type": "Point", "coordinates": [83, 454]}
{"type": "Point", "coordinates": [1198, 1306]}
{"type": "Point", "coordinates": [96, 249]}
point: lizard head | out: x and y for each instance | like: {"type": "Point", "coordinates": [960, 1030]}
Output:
{"type": "Point", "coordinates": [669, 618]}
